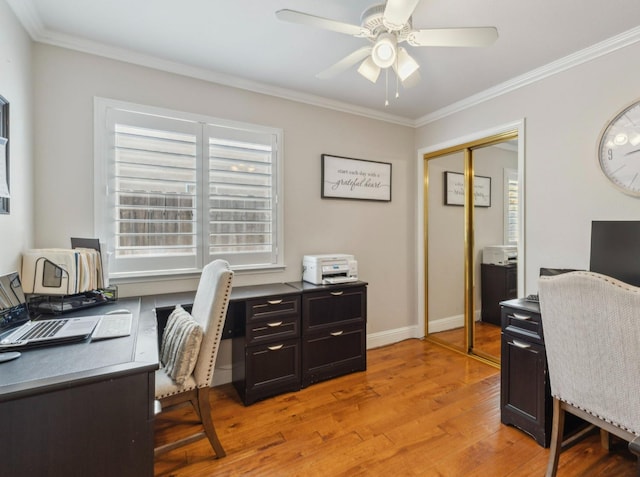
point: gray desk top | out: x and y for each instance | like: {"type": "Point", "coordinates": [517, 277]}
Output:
{"type": "Point", "coordinates": [40, 370]}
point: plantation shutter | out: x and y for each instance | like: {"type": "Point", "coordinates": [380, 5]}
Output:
{"type": "Point", "coordinates": [175, 191]}
{"type": "Point", "coordinates": [242, 195]}
{"type": "Point", "coordinates": [154, 192]}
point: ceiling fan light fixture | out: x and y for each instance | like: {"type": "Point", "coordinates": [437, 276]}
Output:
{"type": "Point", "coordinates": [385, 50]}
{"type": "Point", "coordinates": [406, 65]}
{"type": "Point", "coordinates": [369, 69]}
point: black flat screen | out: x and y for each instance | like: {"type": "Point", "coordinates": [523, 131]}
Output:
{"type": "Point", "coordinates": [615, 249]}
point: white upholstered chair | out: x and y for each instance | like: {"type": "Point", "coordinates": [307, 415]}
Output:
{"type": "Point", "coordinates": [209, 311]}
{"type": "Point", "coordinates": [591, 326]}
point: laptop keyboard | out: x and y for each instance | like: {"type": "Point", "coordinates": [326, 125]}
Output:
{"type": "Point", "coordinates": [44, 329]}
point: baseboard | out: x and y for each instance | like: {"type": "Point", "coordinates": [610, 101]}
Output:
{"type": "Point", "coordinates": [451, 322]}
{"type": "Point", "coordinates": [383, 338]}
{"type": "Point", "coordinates": [448, 323]}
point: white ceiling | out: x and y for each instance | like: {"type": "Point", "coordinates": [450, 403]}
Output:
{"type": "Point", "coordinates": [241, 43]}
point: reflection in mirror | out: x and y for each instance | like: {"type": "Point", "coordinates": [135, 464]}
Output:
{"type": "Point", "coordinates": [462, 293]}
{"type": "Point", "coordinates": [495, 230]}
{"type": "Point", "coordinates": [445, 252]}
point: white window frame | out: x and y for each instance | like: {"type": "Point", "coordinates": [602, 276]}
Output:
{"type": "Point", "coordinates": [103, 202]}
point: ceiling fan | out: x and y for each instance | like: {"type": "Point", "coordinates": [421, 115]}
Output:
{"type": "Point", "coordinates": [386, 26]}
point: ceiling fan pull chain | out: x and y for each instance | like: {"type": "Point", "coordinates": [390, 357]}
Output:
{"type": "Point", "coordinates": [397, 79]}
{"type": "Point", "coordinates": [386, 87]}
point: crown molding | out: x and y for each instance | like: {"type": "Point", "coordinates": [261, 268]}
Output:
{"type": "Point", "coordinates": [28, 16]}
{"type": "Point", "coordinates": [570, 61]}
{"type": "Point", "coordinates": [26, 12]}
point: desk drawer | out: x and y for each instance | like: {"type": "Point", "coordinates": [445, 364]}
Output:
{"type": "Point", "coordinates": [276, 328]}
{"type": "Point", "coordinates": [337, 307]}
{"type": "Point", "coordinates": [272, 369]}
{"type": "Point", "coordinates": [330, 353]}
{"type": "Point", "coordinates": [523, 323]}
{"type": "Point", "coordinates": [273, 307]}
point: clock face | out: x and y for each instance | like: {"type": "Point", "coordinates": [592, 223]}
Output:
{"type": "Point", "coordinates": [619, 151]}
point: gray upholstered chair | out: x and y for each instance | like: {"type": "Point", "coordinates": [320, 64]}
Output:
{"type": "Point", "coordinates": [201, 340]}
{"type": "Point", "coordinates": [591, 326]}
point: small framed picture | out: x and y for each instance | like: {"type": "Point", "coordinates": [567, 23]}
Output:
{"type": "Point", "coordinates": [346, 178]}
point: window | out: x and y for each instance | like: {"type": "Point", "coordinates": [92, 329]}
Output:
{"type": "Point", "coordinates": [176, 190]}
{"type": "Point", "coordinates": [511, 198]}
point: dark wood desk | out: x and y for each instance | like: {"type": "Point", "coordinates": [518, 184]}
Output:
{"type": "Point", "coordinates": [83, 409]}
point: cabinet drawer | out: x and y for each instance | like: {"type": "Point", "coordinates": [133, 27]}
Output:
{"type": "Point", "coordinates": [523, 323]}
{"type": "Point", "coordinates": [273, 307]}
{"type": "Point", "coordinates": [337, 306]}
{"type": "Point", "coordinates": [276, 328]}
{"type": "Point", "coordinates": [333, 352]}
{"type": "Point", "coordinates": [272, 369]}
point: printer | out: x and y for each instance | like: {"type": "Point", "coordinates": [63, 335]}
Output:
{"type": "Point", "coordinates": [500, 254]}
{"type": "Point", "coordinates": [329, 268]}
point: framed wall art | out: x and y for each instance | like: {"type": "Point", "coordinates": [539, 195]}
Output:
{"type": "Point", "coordinates": [347, 178]}
{"type": "Point", "coordinates": [454, 189]}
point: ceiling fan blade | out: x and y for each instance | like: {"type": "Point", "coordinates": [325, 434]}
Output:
{"type": "Point", "coordinates": [480, 36]}
{"type": "Point", "coordinates": [325, 23]}
{"type": "Point", "coordinates": [345, 63]}
{"type": "Point", "coordinates": [397, 13]}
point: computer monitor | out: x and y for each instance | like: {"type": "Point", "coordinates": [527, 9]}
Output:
{"type": "Point", "coordinates": [551, 272]}
{"type": "Point", "coordinates": [615, 249]}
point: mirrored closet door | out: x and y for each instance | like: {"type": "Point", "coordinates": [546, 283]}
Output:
{"type": "Point", "coordinates": [471, 242]}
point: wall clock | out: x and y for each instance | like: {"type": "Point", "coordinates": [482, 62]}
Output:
{"type": "Point", "coordinates": [619, 150]}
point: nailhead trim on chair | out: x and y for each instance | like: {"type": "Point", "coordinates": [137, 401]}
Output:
{"type": "Point", "coordinates": [619, 426]}
{"type": "Point", "coordinates": [218, 333]}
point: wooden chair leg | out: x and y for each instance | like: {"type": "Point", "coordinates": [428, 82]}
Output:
{"type": "Point", "coordinates": [204, 410]}
{"type": "Point", "coordinates": [557, 433]}
{"type": "Point", "coordinates": [605, 440]}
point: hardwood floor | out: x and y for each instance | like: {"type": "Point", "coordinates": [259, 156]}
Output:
{"type": "Point", "coordinates": [418, 410]}
{"type": "Point", "coordinates": [487, 338]}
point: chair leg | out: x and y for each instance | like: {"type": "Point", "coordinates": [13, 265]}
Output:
{"type": "Point", "coordinates": [204, 410]}
{"type": "Point", "coordinates": [557, 432]}
{"type": "Point", "coordinates": [605, 440]}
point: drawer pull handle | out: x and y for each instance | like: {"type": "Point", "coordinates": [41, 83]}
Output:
{"type": "Point", "coordinates": [275, 348]}
{"type": "Point", "coordinates": [337, 293]}
{"type": "Point", "coordinates": [518, 316]}
{"type": "Point", "coordinates": [520, 344]}
{"type": "Point", "coordinates": [274, 302]}
{"type": "Point", "coordinates": [336, 333]}
{"type": "Point", "coordinates": [274, 325]}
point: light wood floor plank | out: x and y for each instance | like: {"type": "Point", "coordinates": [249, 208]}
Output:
{"type": "Point", "coordinates": [418, 410]}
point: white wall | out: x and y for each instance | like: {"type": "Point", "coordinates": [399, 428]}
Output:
{"type": "Point", "coordinates": [564, 188]}
{"type": "Point", "coordinates": [16, 229]}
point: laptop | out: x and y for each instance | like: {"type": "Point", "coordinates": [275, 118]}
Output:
{"type": "Point", "coordinates": [18, 330]}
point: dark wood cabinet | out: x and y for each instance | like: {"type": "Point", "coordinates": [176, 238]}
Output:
{"type": "Point", "coordinates": [83, 408]}
{"type": "Point", "coordinates": [291, 335]}
{"type": "Point", "coordinates": [525, 396]}
{"type": "Point", "coordinates": [266, 350]}
{"type": "Point", "coordinates": [497, 283]}
{"type": "Point", "coordinates": [333, 331]}
{"type": "Point", "coordinates": [525, 391]}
